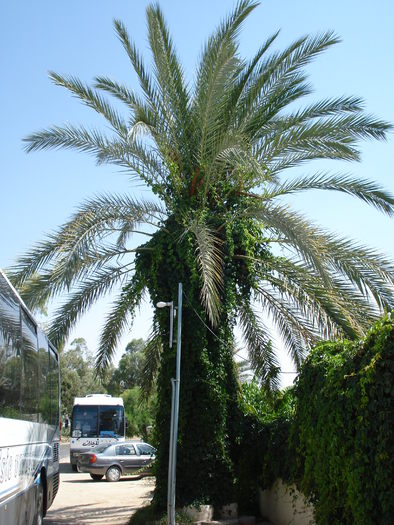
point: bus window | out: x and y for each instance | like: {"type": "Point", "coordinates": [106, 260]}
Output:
{"type": "Point", "coordinates": [44, 384]}
{"type": "Point", "coordinates": [84, 421]}
{"type": "Point", "coordinates": [10, 358]}
{"type": "Point", "coordinates": [54, 387]}
{"type": "Point", "coordinates": [29, 397]}
{"type": "Point", "coordinates": [111, 421]}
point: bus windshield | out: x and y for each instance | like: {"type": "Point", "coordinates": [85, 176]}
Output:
{"type": "Point", "coordinates": [105, 421]}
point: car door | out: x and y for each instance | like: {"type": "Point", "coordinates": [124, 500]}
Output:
{"type": "Point", "coordinates": [128, 458]}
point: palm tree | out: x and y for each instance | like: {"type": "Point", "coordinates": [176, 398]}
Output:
{"type": "Point", "coordinates": [216, 156]}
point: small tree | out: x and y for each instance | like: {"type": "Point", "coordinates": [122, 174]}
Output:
{"type": "Point", "coordinates": [129, 372]}
{"type": "Point", "coordinates": [140, 413]}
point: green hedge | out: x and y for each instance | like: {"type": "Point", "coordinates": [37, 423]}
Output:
{"type": "Point", "coordinates": [264, 454]}
{"type": "Point", "coordinates": [338, 445]}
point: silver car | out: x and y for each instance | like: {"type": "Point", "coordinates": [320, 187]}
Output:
{"type": "Point", "coordinates": [117, 459]}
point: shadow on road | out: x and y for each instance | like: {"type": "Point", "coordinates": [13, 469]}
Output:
{"type": "Point", "coordinates": [92, 481]}
{"type": "Point", "coordinates": [65, 468]}
{"type": "Point", "coordinates": [89, 514]}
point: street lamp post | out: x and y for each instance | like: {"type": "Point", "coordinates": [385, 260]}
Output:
{"type": "Point", "coordinates": [175, 384]}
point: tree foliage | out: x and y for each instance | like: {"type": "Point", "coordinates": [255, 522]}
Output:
{"type": "Point", "coordinates": [140, 413]}
{"type": "Point", "coordinates": [78, 375]}
{"type": "Point", "coordinates": [130, 367]}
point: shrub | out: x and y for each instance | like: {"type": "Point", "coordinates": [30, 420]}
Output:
{"type": "Point", "coordinates": [332, 435]}
{"type": "Point", "coordinates": [139, 413]}
{"type": "Point", "coordinates": [264, 453]}
{"type": "Point", "coordinates": [343, 429]}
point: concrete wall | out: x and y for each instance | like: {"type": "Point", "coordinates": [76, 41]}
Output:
{"type": "Point", "coordinates": [284, 505]}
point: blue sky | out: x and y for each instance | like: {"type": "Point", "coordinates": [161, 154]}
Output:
{"type": "Point", "coordinates": [39, 191]}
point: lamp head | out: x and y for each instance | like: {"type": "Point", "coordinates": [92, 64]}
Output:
{"type": "Point", "coordinates": [162, 304]}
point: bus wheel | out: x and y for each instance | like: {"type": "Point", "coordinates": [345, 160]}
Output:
{"type": "Point", "coordinates": [96, 477]}
{"type": "Point", "coordinates": [39, 505]}
{"type": "Point", "coordinates": [113, 474]}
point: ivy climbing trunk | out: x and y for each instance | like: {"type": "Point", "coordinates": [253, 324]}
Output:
{"type": "Point", "coordinates": [208, 388]}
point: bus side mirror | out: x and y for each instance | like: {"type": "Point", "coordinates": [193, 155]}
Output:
{"type": "Point", "coordinates": [126, 422]}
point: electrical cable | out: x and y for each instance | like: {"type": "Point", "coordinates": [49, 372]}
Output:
{"type": "Point", "coordinates": [218, 338]}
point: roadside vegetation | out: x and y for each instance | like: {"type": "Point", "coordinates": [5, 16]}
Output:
{"type": "Point", "coordinates": [331, 435]}
{"type": "Point", "coordinates": [215, 156]}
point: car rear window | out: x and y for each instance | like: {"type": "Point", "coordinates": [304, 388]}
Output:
{"type": "Point", "coordinates": [145, 449]}
{"type": "Point", "coordinates": [101, 448]}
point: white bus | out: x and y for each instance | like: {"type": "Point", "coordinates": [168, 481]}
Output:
{"type": "Point", "coordinates": [29, 414]}
{"type": "Point", "coordinates": [96, 419]}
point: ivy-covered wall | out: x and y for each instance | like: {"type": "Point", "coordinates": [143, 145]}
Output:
{"type": "Point", "coordinates": [336, 442]}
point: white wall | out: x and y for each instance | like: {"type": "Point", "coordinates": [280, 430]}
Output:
{"type": "Point", "coordinates": [284, 505]}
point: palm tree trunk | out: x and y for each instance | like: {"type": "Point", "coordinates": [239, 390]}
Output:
{"type": "Point", "coordinates": [207, 415]}
{"type": "Point", "coordinates": [208, 389]}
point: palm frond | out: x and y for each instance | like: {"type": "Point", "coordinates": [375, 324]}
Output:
{"type": "Point", "coordinates": [278, 79]}
{"type": "Point", "coordinates": [169, 73]}
{"type": "Point", "coordinates": [368, 191]}
{"type": "Point", "coordinates": [123, 309]}
{"type": "Point", "coordinates": [246, 73]}
{"type": "Point", "coordinates": [29, 264]}
{"type": "Point", "coordinates": [332, 310]}
{"type": "Point", "coordinates": [369, 271]}
{"type": "Point", "coordinates": [209, 257]}
{"type": "Point", "coordinates": [296, 332]}
{"type": "Point", "coordinates": [105, 215]}
{"type": "Point", "coordinates": [92, 99]}
{"type": "Point", "coordinates": [219, 66]}
{"type": "Point", "coordinates": [262, 354]}
{"type": "Point", "coordinates": [79, 249]}
{"type": "Point", "coordinates": [144, 78]}
{"type": "Point", "coordinates": [152, 357]}
{"type": "Point", "coordinates": [69, 137]}
{"type": "Point", "coordinates": [334, 137]}
{"type": "Point", "coordinates": [36, 290]}
{"type": "Point", "coordinates": [87, 293]}
{"type": "Point", "coordinates": [119, 91]}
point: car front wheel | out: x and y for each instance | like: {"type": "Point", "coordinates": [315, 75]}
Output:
{"type": "Point", "coordinates": [113, 474]}
{"type": "Point", "coordinates": [96, 477]}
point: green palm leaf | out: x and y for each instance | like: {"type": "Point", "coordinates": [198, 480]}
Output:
{"type": "Point", "coordinates": [368, 191]}
{"type": "Point", "coordinates": [262, 354]}
{"type": "Point", "coordinates": [210, 262]}
{"type": "Point", "coordinates": [153, 352]}
{"type": "Point", "coordinates": [121, 314]}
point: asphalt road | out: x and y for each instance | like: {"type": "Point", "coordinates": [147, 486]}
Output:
{"type": "Point", "coordinates": [64, 451]}
{"type": "Point", "coordinates": [82, 501]}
